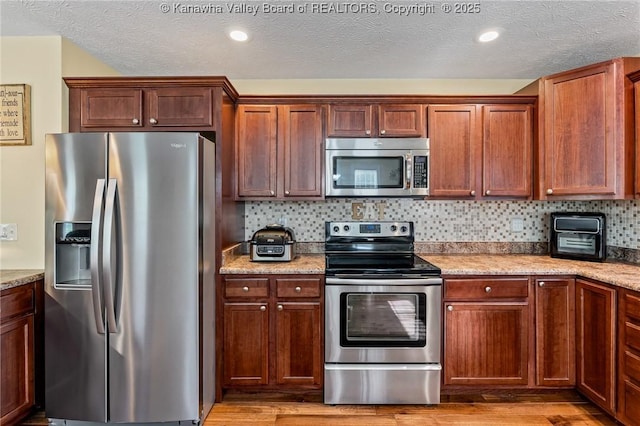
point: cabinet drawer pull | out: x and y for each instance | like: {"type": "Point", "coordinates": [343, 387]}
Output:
{"type": "Point", "coordinates": [549, 191]}
{"type": "Point", "coordinates": [153, 121]}
{"type": "Point", "coordinates": [541, 284]}
{"type": "Point", "coordinates": [449, 308]}
{"type": "Point", "coordinates": [298, 289]}
{"type": "Point", "coordinates": [280, 307]}
{"type": "Point", "coordinates": [245, 288]}
{"type": "Point", "coordinates": [487, 289]}
{"type": "Point", "coordinates": [263, 308]}
{"type": "Point", "coordinates": [135, 121]}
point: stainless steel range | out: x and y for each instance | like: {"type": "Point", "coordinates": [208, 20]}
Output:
{"type": "Point", "coordinates": [382, 316]}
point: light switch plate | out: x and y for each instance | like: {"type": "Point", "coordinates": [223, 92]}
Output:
{"type": "Point", "coordinates": [8, 231]}
{"type": "Point", "coordinates": [517, 224]}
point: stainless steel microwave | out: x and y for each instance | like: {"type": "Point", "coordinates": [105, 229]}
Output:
{"type": "Point", "coordinates": [370, 167]}
{"type": "Point", "coordinates": [580, 236]}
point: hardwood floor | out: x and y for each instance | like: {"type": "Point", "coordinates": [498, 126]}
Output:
{"type": "Point", "coordinates": [563, 408]}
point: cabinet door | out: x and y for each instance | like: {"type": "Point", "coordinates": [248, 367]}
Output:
{"type": "Point", "coordinates": [555, 332]}
{"type": "Point", "coordinates": [507, 149]}
{"type": "Point", "coordinates": [636, 93]}
{"type": "Point", "coordinates": [257, 163]}
{"type": "Point", "coordinates": [350, 121]}
{"type": "Point", "coordinates": [246, 344]}
{"type": "Point", "coordinates": [400, 120]}
{"type": "Point", "coordinates": [595, 331]}
{"type": "Point", "coordinates": [486, 343]}
{"type": "Point", "coordinates": [17, 368]}
{"type": "Point", "coordinates": [629, 358]}
{"type": "Point", "coordinates": [180, 107]}
{"type": "Point", "coordinates": [454, 137]}
{"type": "Point", "coordinates": [579, 133]}
{"type": "Point", "coordinates": [301, 139]}
{"type": "Point", "coordinates": [111, 108]}
{"type": "Point", "coordinates": [298, 344]}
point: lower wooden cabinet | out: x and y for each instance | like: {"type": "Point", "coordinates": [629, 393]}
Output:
{"type": "Point", "coordinates": [273, 331]}
{"type": "Point", "coordinates": [595, 342]}
{"type": "Point", "coordinates": [628, 410]}
{"type": "Point", "coordinates": [17, 342]}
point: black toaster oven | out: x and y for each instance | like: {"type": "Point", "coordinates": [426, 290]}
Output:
{"type": "Point", "coordinates": [580, 236]}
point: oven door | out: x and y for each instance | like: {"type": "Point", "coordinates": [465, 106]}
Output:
{"type": "Point", "coordinates": [382, 320]}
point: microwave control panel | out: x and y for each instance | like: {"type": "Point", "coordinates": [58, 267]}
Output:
{"type": "Point", "coordinates": [420, 171]}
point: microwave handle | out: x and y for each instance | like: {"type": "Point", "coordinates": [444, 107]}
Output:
{"type": "Point", "coordinates": [409, 163]}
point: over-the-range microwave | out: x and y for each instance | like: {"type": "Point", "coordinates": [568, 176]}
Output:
{"type": "Point", "coordinates": [383, 167]}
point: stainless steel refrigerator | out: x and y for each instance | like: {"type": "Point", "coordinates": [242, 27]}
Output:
{"type": "Point", "coordinates": [130, 262]}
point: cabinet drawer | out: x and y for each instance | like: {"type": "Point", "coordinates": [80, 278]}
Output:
{"type": "Point", "coordinates": [631, 401]}
{"type": "Point", "coordinates": [632, 303]}
{"type": "Point", "coordinates": [17, 301]}
{"type": "Point", "coordinates": [298, 287]}
{"type": "Point", "coordinates": [632, 335]}
{"type": "Point", "coordinates": [251, 287]}
{"type": "Point", "coordinates": [632, 366]}
{"type": "Point", "coordinates": [474, 289]}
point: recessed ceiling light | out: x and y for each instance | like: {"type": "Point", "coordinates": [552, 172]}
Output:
{"type": "Point", "coordinates": [238, 35]}
{"type": "Point", "coordinates": [488, 36]}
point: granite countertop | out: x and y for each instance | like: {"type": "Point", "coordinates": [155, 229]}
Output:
{"type": "Point", "coordinates": [10, 278]}
{"type": "Point", "coordinates": [618, 274]}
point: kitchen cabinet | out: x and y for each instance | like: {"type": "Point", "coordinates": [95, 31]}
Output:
{"type": "Point", "coordinates": [145, 104]}
{"type": "Point", "coordinates": [595, 333]}
{"type": "Point", "coordinates": [628, 410]}
{"type": "Point", "coordinates": [635, 77]}
{"type": "Point", "coordinates": [279, 152]}
{"type": "Point", "coordinates": [586, 136]}
{"type": "Point", "coordinates": [555, 331]}
{"type": "Point", "coordinates": [480, 151]}
{"type": "Point", "coordinates": [18, 343]}
{"type": "Point", "coordinates": [486, 331]}
{"type": "Point", "coordinates": [273, 331]}
{"type": "Point", "coordinates": [375, 120]}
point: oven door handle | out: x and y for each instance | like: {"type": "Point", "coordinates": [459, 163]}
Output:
{"type": "Point", "coordinates": [383, 281]}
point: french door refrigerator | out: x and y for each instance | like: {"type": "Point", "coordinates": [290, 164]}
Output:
{"type": "Point", "coordinates": [129, 302]}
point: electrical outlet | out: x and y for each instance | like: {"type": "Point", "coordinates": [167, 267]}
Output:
{"type": "Point", "coordinates": [8, 231]}
{"type": "Point", "coordinates": [517, 224]}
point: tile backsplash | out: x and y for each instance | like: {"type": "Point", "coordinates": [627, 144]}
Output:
{"type": "Point", "coordinates": [447, 221]}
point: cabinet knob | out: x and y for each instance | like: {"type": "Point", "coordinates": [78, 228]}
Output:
{"type": "Point", "coordinates": [286, 193]}
{"type": "Point", "coordinates": [472, 193]}
{"type": "Point", "coordinates": [541, 284]}
{"type": "Point", "coordinates": [153, 121]}
{"type": "Point", "coordinates": [449, 308]}
{"type": "Point", "coordinates": [382, 132]}
{"type": "Point", "coordinates": [245, 288]}
{"type": "Point", "coordinates": [487, 192]}
{"type": "Point", "coordinates": [272, 193]}
{"type": "Point", "coordinates": [135, 121]}
{"type": "Point", "coordinates": [280, 307]}
{"type": "Point", "coordinates": [549, 191]}
{"type": "Point", "coordinates": [298, 289]}
{"type": "Point", "coordinates": [367, 132]}
{"type": "Point", "coordinates": [263, 308]}
{"type": "Point", "coordinates": [487, 289]}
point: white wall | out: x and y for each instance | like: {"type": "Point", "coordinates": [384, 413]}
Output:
{"type": "Point", "coordinates": [40, 62]}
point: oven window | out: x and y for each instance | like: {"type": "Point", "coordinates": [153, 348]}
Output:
{"type": "Point", "coordinates": [577, 243]}
{"type": "Point", "coordinates": [382, 319]}
{"type": "Point", "coordinates": [368, 172]}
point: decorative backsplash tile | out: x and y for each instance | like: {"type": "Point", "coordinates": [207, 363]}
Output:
{"type": "Point", "coordinates": [448, 221]}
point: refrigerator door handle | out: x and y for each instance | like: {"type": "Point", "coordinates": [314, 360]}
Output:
{"type": "Point", "coordinates": [109, 211]}
{"type": "Point", "coordinates": [95, 254]}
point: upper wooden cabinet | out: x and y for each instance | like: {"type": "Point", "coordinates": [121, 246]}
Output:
{"type": "Point", "coordinates": [380, 120]}
{"type": "Point", "coordinates": [149, 104]}
{"type": "Point", "coordinates": [279, 151]}
{"type": "Point", "coordinates": [481, 151]}
{"type": "Point", "coordinates": [586, 148]}
{"type": "Point", "coordinates": [635, 77]}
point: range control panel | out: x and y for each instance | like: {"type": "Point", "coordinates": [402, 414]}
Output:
{"type": "Point", "coordinates": [369, 229]}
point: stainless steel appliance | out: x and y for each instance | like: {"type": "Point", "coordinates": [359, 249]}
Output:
{"type": "Point", "coordinates": [382, 316]}
{"type": "Point", "coordinates": [273, 243]}
{"type": "Point", "coordinates": [581, 236]}
{"type": "Point", "coordinates": [129, 304]}
{"type": "Point", "coordinates": [369, 167]}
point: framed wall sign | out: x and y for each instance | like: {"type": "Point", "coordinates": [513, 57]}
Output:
{"type": "Point", "coordinates": [15, 114]}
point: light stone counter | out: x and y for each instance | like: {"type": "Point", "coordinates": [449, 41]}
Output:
{"type": "Point", "coordinates": [619, 274]}
{"type": "Point", "coordinates": [302, 264]}
{"type": "Point", "coordinates": [10, 278]}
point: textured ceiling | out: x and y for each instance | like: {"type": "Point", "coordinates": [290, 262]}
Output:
{"type": "Point", "coordinates": [341, 39]}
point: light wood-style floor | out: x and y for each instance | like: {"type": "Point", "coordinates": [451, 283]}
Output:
{"type": "Point", "coordinates": [558, 408]}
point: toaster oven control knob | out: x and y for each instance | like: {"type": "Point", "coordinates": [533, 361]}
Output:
{"type": "Point", "coordinates": [403, 229]}
{"type": "Point", "coordinates": [346, 228]}
{"type": "Point", "coordinates": [549, 191]}
{"type": "Point", "coordinates": [394, 228]}
{"type": "Point", "coordinates": [336, 229]}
